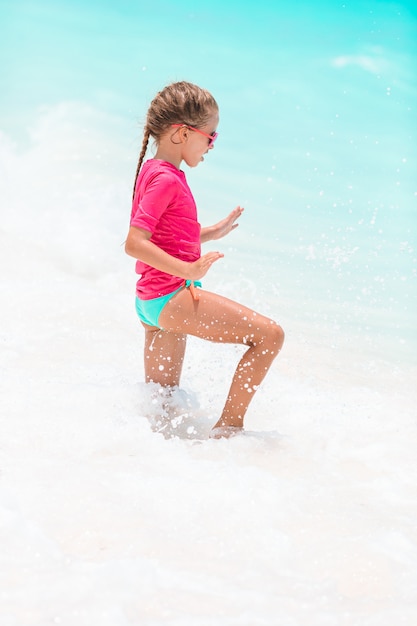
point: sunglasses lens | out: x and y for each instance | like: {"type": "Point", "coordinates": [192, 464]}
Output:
{"type": "Point", "coordinates": [212, 139]}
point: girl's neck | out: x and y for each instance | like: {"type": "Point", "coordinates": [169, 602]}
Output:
{"type": "Point", "coordinates": [164, 155]}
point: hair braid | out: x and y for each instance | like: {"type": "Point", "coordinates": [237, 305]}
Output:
{"type": "Point", "coordinates": [145, 142]}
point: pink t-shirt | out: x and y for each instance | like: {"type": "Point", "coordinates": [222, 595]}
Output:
{"type": "Point", "coordinates": [164, 206]}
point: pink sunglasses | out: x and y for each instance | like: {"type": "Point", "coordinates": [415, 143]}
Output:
{"type": "Point", "coordinates": [212, 138]}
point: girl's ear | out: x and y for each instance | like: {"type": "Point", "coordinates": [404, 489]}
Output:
{"type": "Point", "coordinates": [180, 135]}
{"type": "Point", "coordinates": [183, 133]}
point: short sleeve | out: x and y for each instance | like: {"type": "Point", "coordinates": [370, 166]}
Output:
{"type": "Point", "coordinates": [152, 201]}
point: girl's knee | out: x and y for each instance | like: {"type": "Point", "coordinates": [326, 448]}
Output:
{"type": "Point", "coordinates": [268, 334]}
{"type": "Point", "coordinates": [275, 335]}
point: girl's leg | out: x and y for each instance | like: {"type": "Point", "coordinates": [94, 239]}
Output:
{"type": "Point", "coordinates": [164, 356]}
{"type": "Point", "coordinates": [219, 319]}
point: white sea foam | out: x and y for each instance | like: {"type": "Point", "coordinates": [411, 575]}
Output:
{"type": "Point", "coordinates": [105, 521]}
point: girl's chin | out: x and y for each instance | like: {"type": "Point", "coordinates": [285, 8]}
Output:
{"type": "Point", "coordinates": [195, 163]}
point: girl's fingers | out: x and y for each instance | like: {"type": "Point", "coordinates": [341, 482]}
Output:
{"type": "Point", "coordinates": [205, 262]}
{"type": "Point", "coordinates": [210, 257]}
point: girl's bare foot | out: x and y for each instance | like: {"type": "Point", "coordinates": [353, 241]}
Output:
{"type": "Point", "coordinates": [225, 432]}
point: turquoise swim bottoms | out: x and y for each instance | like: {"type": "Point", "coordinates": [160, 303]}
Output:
{"type": "Point", "coordinates": [150, 310]}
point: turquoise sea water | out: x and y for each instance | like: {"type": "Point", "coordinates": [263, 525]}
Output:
{"type": "Point", "coordinates": [108, 523]}
{"type": "Point", "coordinates": [317, 130]}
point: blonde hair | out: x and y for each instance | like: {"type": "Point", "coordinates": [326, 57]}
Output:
{"type": "Point", "coordinates": [177, 103]}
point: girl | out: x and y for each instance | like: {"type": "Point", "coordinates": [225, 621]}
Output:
{"type": "Point", "coordinates": [165, 238]}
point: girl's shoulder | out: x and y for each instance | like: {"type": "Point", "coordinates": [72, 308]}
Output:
{"type": "Point", "coordinates": [155, 172]}
{"type": "Point", "coordinates": [162, 179]}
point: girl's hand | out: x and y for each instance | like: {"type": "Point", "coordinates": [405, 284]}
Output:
{"type": "Point", "coordinates": [199, 268]}
{"type": "Point", "coordinates": [222, 228]}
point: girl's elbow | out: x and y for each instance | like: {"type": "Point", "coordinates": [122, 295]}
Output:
{"type": "Point", "coordinates": [129, 248]}
{"type": "Point", "coordinates": [136, 243]}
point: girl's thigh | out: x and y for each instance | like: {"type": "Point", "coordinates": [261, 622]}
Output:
{"type": "Point", "coordinates": [164, 356]}
{"type": "Point", "coordinates": [213, 317]}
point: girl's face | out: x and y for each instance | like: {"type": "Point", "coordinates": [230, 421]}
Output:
{"type": "Point", "coordinates": [197, 144]}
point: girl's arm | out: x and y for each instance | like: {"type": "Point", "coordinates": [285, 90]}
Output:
{"type": "Point", "coordinates": [222, 228]}
{"type": "Point", "coordinates": [139, 246]}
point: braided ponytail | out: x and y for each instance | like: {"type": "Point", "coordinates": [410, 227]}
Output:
{"type": "Point", "coordinates": [145, 142]}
